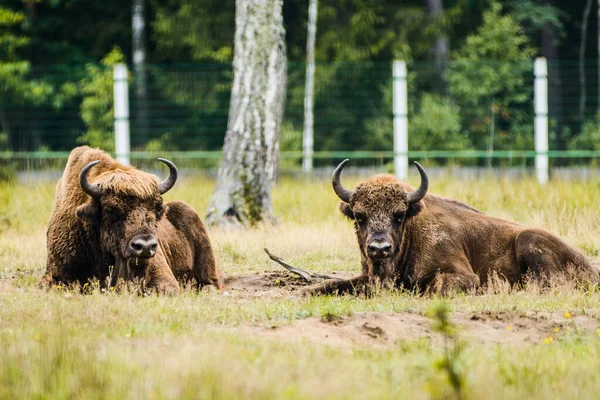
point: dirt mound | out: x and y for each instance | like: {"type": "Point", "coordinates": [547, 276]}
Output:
{"type": "Point", "coordinates": [269, 284]}
{"type": "Point", "coordinates": [383, 330]}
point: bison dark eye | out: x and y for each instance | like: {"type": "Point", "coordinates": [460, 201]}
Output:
{"type": "Point", "coordinates": [360, 218]}
{"type": "Point", "coordinates": [398, 217]}
{"type": "Point", "coordinates": [112, 212]}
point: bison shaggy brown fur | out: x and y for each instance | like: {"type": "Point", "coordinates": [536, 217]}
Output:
{"type": "Point", "coordinates": [109, 220]}
{"type": "Point", "coordinates": [408, 238]}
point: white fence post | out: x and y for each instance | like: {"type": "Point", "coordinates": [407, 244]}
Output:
{"type": "Point", "coordinates": [400, 120]}
{"type": "Point", "coordinates": [541, 119]}
{"type": "Point", "coordinates": [121, 106]}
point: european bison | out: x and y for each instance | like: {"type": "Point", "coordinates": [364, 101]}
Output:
{"type": "Point", "coordinates": [109, 219]}
{"type": "Point", "coordinates": [411, 239]}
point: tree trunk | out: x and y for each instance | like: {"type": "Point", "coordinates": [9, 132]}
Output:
{"type": "Point", "coordinates": [138, 28]}
{"type": "Point", "coordinates": [584, 26]}
{"type": "Point", "coordinates": [246, 174]}
{"type": "Point", "coordinates": [308, 135]}
{"type": "Point", "coordinates": [441, 51]}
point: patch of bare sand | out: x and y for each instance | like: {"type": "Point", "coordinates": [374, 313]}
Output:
{"type": "Point", "coordinates": [382, 330]}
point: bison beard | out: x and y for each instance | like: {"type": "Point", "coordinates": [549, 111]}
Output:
{"type": "Point", "coordinates": [418, 241]}
{"type": "Point", "coordinates": [109, 223]}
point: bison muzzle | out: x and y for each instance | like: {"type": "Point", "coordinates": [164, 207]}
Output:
{"type": "Point", "coordinates": [109, 222]}
{"type": "Point", "coordinates": [419, 241]}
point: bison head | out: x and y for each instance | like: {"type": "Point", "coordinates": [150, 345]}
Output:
{"type": "Point", "coordinates": [125, 206]}
{"type": "Point", "coordinates": [380, 207]}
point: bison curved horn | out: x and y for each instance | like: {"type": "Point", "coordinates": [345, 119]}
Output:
{"type": "Point", "coordinates": [168, 183]}
{"type": "Point", "coordinates": [339, 189]}
{"type": "Point", "coordinates": [416, 195]}
{"type": "Point", "coordinates": [86, 186]}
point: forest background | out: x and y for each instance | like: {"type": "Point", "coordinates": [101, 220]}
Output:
{"type": "Point", "coordinates": [470, 73]}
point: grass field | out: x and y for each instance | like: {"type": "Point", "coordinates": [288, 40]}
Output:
{"type": "Point", "coordinates": [271, 343]}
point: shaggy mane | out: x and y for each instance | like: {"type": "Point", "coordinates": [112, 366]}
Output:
{"type": "Point", "coordinates": [128, 182]}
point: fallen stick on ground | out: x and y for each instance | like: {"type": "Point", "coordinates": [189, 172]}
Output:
{"type": "Point", "coordinates": [307, 276]}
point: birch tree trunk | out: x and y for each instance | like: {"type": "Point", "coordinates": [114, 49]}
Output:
{"type": "Point", "coordinates": [246, 173]}
{"type": "Point", "coordinates": [308, 134]}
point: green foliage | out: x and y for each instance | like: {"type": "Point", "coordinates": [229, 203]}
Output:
{"type": "Point", "coordinates": [10, 42]}
{"type": "Point", "coordinates": [450, 363]}
{"type": "Point", "coordinates": [16, 84]}
{"type": "Point", "coordinates": [589, 138]}
{"type": "Point", "coordinates": [200, 94]}
{"type": "Point", "coordinates": [200, 30]}
{"type": "Point", "coordinates": [501, 44]}
{"type": "Point", "coordinates": [7, 171]}
{"type": "Point", "coordinates": [374, 30]}
{"type": "Point", "coordinates": [97, 105]}
{"type": "Point", "coordinates": [437, 126]}
{"type": "Point", "coordinates": [534, 16]}
{"type": "Point", "coordinates": [487, 75]}
{"type": "Point", "coordinates": [291, 138]}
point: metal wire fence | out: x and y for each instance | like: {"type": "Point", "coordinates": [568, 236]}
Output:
{"type": "Point", "coordinates": [475, 114]}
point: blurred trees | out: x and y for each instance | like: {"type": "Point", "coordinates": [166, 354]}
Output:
{"type": "Point", "coordinates": [97, 111]}
{"type": "Point", "coordinates": [356, 41]}
{"type": "Point", "coordinates": [488, 78]}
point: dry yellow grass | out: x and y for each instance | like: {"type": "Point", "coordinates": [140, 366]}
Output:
{"type": "Point", "coordinates": [61, 344]}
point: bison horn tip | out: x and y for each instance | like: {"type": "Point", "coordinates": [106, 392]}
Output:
{"type": "Point", "coordinates": [86, 186]}
{"type": "Point", "coordinates": [168, 183]}
{"type": "Point", "coordinates": [339, 189]}
{"type": "Point", "coordinates": [416, 195]}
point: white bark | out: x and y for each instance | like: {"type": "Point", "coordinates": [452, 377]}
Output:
{"type": "Point", "coordinates": [308, 134]}
{"type": "Point", "coordinates": [251, 150]}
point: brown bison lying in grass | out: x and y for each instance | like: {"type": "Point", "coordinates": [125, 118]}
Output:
{"type": "Point", "coordinates": [109, 222]}
{"type": "Point", "coordinates": [411, 239]}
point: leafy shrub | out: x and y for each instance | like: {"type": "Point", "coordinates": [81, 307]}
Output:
{"type": "Point", "coordinates": [492, 89]}
{"type": "Point", "coordinates": [97, 105]}
{"type": "Point", "coordinates": [589, 138]}
{"type": "Point", "coordinates": [436, 126]}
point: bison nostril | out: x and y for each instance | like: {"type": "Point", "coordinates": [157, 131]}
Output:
{"type": "Point", "coordinates": [137, 246]}
{"type": "Point", "coordinates": [143, 246]}
{"type": "Point", "coordinates": [380, 246]}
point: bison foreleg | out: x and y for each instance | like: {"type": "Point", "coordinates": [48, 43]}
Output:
{"type": "Point", "coordinates": [448, 283]}
{"type": "Point", "coordinates": [339, 286]}
{"type": "Point", "coordinates": [307, 276]}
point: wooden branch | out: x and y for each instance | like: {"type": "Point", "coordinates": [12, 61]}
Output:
{"type": "Point", "coordinates": [307, 276]}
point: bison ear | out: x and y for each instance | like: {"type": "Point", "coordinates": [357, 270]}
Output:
{"type": "Point", "coordinates": [346, 210]}
{"type": "Point", "coordinates": [414, 209]}
{"type": "Point", "coordinates": [88, 212]}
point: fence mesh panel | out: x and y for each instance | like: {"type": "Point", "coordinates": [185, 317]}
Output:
{"type": "Point", "coordinates": [470, 113]}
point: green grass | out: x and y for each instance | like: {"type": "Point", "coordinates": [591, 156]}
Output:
{"type": "Point", "coordinates": [61, 344]}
